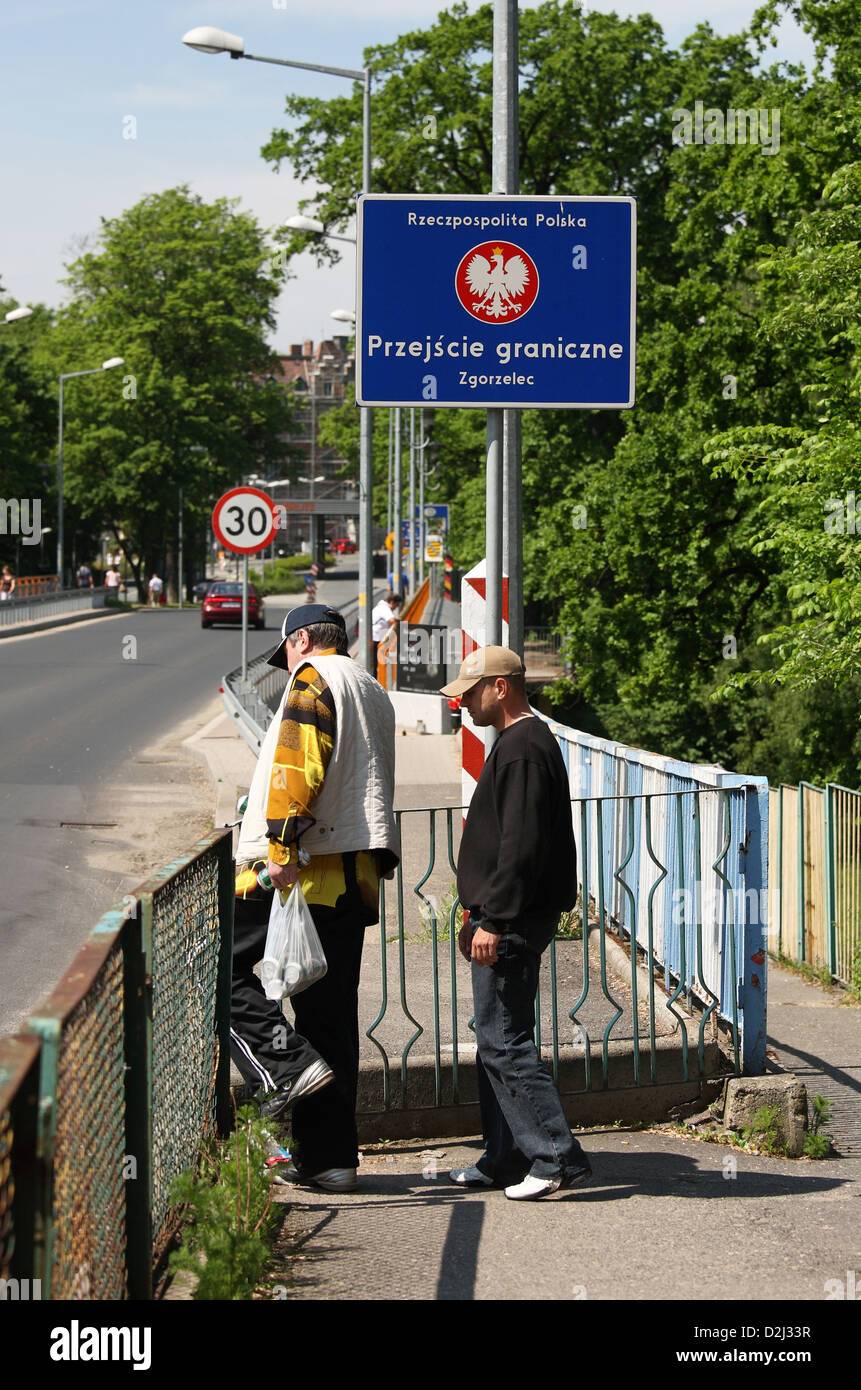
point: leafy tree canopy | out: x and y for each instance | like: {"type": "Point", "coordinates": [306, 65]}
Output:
{"type": "Point", "coordinates": [703, 506]}
{"type": "Point", "coordinates": [184, 292]}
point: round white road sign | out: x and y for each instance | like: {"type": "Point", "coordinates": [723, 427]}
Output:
{"type": "Point", "coordinates": [245, 520]}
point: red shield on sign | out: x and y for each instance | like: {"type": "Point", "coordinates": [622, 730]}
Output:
{"type": "Point", "coordinates": [497, 282]}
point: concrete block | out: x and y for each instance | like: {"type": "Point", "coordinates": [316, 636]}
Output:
{"type": "Point", "coordinates": [411, 706]}
{"type": "Point", "coordinates": [746, 1094]}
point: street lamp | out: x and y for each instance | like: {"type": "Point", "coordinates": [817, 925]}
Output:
{"type": "Point", "coordinates": [67, 376]}
{"type": "Point", "coordinates": [343, 315]}
{"type": "Point", "coordinates": [299, 223]}
{"type": "Point", "coordinates": [207, 39]}
{"type": "Point", "coordinates": [15, 314]}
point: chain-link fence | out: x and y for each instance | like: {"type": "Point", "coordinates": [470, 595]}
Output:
{"type": "Point", "coordinates": [114, 1083]}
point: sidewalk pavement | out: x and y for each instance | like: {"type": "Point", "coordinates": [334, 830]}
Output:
{"type": "Point", "coordinates": [667, 1215]}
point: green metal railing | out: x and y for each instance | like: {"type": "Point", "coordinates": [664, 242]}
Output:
{"type": "Point", "coordinates": [115, 1082]}
{"type": "Point", "coordinates": [662, 974]}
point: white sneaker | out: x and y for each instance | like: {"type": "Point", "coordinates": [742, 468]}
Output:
{"type": "Point", "coordinates": [313, 1078]}
{"type": "Point", "coordinates": [532, 1188]}
{"type": "Point", "coordinates": [470, 1177]}
{"type": "Point", "coordinates": [335, 1180]}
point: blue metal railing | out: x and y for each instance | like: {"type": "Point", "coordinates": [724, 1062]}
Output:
{"type": "Point", "coordinates": [727, 908]}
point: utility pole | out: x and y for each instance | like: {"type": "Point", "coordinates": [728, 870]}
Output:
{"type": "Point", "coordinates": [422, 526]}
{"type": "Point", "coordinates": [412, 530]}
{"type": "Point", "coordinates": [503, 452]}
{"type": "Point", "coordinates": [397, 507]}
{"type": "Point", "coordinates": [179, 550]}
{"type": "Point", "coordinates": [389, 483]}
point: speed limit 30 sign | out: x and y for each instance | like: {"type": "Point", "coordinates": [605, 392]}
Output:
{"type": "Point", "coordinates": [245, 520]}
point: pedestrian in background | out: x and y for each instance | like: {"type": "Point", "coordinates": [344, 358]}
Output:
{"type": "Point", "coordinates": [7, 583]}
{"type": "Point", "coordinates": [112, 585]}
{"type": "Point", "coordinates": [155, 588]}
{"type": "Point", "coordinates": [84, 576]}
{"type": "Point", "coordinates": [383, 619]}
{"type": "Point", "coordinates": [516, 873]}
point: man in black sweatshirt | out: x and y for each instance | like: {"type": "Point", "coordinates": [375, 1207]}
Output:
{"type": "Point", "coordinates": [516, 874]}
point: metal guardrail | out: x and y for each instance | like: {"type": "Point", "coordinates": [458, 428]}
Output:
{"type": "Point", "coordinates": [543, 650]}
{"type": "Point", "coordinates": [815, 877]}
{"type": "Point", "coordinates": [115, 1082]}
{"type": "Point", "coordinates": [28, 610]}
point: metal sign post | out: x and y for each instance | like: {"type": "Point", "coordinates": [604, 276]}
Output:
{"type": "Point", "coordinates": [244, 617]}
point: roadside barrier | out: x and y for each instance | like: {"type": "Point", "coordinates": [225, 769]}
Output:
{"type": "Point", "coordinates": [49, 605]}
{"type": "Point", "coordinates": [113, 1084]}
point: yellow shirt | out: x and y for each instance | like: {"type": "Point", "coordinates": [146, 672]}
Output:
{"type": "Point", "coordinates": [306, 741]}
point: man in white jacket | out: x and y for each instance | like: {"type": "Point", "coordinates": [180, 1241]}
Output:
{"type": "Point", "coordinates": [320, 812]}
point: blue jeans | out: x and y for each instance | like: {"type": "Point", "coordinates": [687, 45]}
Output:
{"type": "Point", "coordinates": [525, 1129]}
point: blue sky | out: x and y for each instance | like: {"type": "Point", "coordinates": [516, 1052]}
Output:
{"type": "Point", "coordinates": [72, 70]}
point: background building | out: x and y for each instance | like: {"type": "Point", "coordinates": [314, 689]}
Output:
{"type": "Point", "coordinates": [318, 378]}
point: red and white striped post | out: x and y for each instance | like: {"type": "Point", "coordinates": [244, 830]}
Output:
{"type": "Point", "coordinates": [473, 599]}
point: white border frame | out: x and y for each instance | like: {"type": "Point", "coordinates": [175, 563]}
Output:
{"type": "Point", "coordinates": [511, 201]}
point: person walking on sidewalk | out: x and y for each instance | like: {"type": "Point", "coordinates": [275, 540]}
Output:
{"type": "Point", "coordinates": [516, 874]}
{"type": "Point", "coordinates": [383, 619]}
{"type": "Point", "coordinates": [112, 584]}
{"type": "Point", "coordinates": [320, 813]}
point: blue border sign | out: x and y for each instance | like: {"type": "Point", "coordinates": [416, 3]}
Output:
{"type": "Point", "coordinates": [496, 301]}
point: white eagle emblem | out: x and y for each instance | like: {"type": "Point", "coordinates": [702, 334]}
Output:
{"type": "Point", "coordinates": [497, 286]}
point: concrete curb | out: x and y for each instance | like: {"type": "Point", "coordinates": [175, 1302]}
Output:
{"type": "Point", "coordinates": [421, 1117]}
{"type": "Point", "coordinates": [621, 1100]}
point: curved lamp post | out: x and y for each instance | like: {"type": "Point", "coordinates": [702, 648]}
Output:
{"type": "Point", "coordinates": [67, 376]}
{"type": "Point", "coordinates": [207, 39]}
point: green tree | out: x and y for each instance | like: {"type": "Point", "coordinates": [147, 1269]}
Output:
{"type": "Point", "coordinates": [28, 424]}
{"type": "Point", "coordinates": [807, 476]}
{"type": "Point", "coordinates": [184, 291]}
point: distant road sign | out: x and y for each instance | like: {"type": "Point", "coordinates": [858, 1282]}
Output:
{"type": "Point", "coordinates": [496, 301]}
{"type": "Point", "coordinates": [433, 549]}
{"type": "Point", "coordinates": [245, 520]}
{"type": "Point", "coordinates": [436, 510]}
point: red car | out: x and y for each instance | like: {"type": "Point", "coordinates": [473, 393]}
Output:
{"type": "Point", "coordinates": [342, 545]}
{"type": "Point", "coordinates": [222, 603]}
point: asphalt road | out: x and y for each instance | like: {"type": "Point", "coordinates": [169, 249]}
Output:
{"type": "Point", "coordinates": [80, 705]}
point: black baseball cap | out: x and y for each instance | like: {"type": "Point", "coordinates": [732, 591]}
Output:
{"type": "Point", "coordinates": [306, 616]}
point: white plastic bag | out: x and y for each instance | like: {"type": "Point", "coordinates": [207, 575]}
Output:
{"type": "Point", "coordinates": [293, 958]}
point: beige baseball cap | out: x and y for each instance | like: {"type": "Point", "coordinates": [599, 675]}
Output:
{"type": "Point", "coordinates": [484, 661]}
